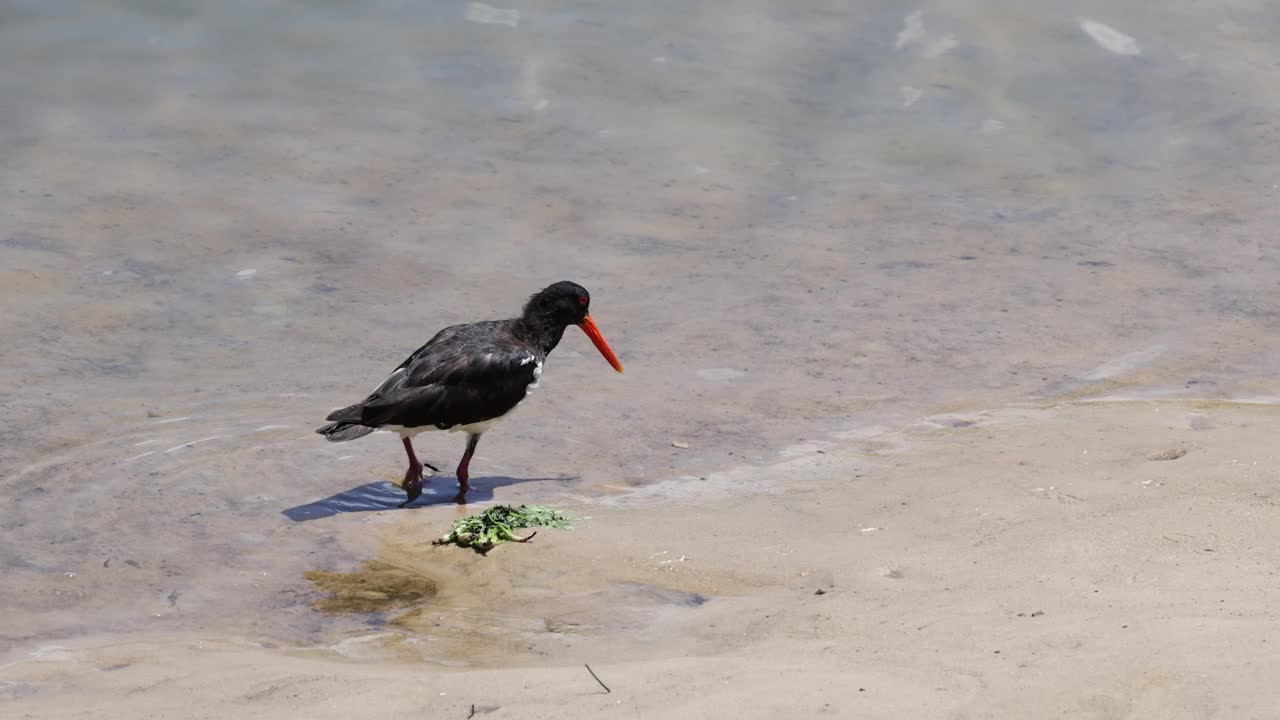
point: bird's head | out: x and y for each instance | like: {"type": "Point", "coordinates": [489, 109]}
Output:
{"type": "Point", "coordinates": [566, 303]}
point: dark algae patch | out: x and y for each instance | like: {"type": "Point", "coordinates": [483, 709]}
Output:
{"type": "Point", "coordinates": [376, 587]}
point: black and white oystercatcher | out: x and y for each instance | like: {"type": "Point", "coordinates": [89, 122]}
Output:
{"type": "Point", "coordinates": [469, 377]}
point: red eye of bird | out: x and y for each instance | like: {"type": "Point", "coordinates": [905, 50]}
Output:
{"type": "Point", "coordinates": [582, 300]}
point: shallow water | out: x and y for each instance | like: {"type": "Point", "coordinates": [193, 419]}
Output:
{"type": "Point", "coordinates": [218, 221]}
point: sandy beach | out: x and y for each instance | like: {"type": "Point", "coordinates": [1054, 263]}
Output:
{"type": "Point", "coordinates": [950, 335]}
{"type": "Point", "coordinates": [1088, 560]}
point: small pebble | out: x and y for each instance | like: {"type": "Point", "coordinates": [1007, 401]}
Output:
{"type": "Point", "coordinates": [681, 445]}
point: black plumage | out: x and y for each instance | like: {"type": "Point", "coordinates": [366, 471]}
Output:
{"type": "Point", "coordinates": [465, 374]}
{"type": "Point", "coordinates": [468, 377]}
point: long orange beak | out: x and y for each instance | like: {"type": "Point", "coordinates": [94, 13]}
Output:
{"type": "Point", "coordinates": [589, 327]}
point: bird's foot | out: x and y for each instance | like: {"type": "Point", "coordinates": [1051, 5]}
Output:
{"type": "Point", "coordinates": [461, 497]}
{"type": "Point", "coordinates": [412, 485]}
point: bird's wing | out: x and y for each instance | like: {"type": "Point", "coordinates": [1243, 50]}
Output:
{"type": "Point", "coordinates": [457, 378]}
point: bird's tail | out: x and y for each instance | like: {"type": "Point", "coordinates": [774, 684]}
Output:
{"type": "Point", "coordinates": [346, 426]}
{"type": "Point", "coordinates": [344, 431]}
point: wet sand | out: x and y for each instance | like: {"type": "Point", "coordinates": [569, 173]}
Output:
{"type": "Point", "coordinates": [974, 566]}
{"type": "Point", "coordinates": [804, 228]}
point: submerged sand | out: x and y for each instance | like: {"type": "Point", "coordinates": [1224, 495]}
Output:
{"type": "Point", "coordinates": [1088, 560]}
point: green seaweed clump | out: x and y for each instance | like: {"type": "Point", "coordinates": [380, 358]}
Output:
{"type": "Point", "coordinates": [498, 524]}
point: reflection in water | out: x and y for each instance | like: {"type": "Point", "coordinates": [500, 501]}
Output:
{"type": "Point", "coordinates": [796, 219]}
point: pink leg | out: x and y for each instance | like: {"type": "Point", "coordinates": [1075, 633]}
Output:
{"type": "Point", "coordinates": [408, 448]}
{"type": "Point", "coordinates": [463, 468]}
{"type": "Point", "coordinates": [413, 476]}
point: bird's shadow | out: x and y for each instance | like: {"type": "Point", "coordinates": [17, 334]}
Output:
{"type": "Point", "coordinates": [383, 495]}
